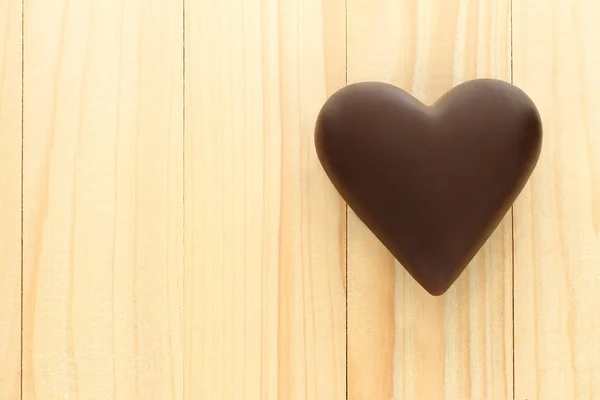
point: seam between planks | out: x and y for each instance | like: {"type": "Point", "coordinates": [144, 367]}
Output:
{"type": "Point", "coordinates": [346, 205]}
{"type": "Point", "coordinates": [22, 186]}
{"type": "Point", "coordinates": [512, 216]}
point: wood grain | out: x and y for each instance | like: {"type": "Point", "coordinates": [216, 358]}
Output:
{"type": "Point", "coordinates": [265, 230]}
{"type": "Point", "coordinates": [10, 199]}
{"type": "Point", "coordinates": [131, 185]}
{"type": "Point", "coordinates": [103, 199]}
{"type": "Point", "coordinates": [402, 342]}
{"type": "Point", "coordinates": [557, 219]}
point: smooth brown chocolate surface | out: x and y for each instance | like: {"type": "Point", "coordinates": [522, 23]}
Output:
{"type": "Point", "coordinates": [431, 182]}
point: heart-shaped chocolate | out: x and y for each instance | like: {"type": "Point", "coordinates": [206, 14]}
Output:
{"type": "Point", "coordinates": [431, 182]}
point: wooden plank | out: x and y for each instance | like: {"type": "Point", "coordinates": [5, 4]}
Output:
{"type": "Point", "coordinates": [402, 342]}
{"type": "Point", "coordinates": [103, 199]}
{"type": "Point", "coordinates": [557, 219]}
{"type": "Point", "coordinates": [265, 229]}
{"type": "Point", "coordinates": [10, 199]}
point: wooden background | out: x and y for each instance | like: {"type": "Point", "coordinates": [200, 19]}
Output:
{"type": "Point", "coordinates": [166, 231]}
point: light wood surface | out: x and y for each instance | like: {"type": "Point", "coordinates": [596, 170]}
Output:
{"type": "Point", "coordinates": [402, 342]}
{"type": "Point", "coordinates": [103, 200]}
{"type": "Point", "coordinates": [181, 240]}
{"type": "Point", "coordinates": [557, 219]}
{"type": "Point", "coordinates": [10, 199]}
{"type": "Point", "coordinates": [265, 230]}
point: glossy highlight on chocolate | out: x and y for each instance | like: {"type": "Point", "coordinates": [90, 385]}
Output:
{"type": "Point", "coordinates": [431, 182]}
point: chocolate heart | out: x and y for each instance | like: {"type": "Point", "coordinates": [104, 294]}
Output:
{"type": "Point", "coordinates": [431, 182]}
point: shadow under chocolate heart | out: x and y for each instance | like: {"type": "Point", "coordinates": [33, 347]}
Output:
{"type": "Point", "coordinates": [431, 182]}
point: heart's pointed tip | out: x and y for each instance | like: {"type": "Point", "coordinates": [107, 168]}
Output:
{"type": "Point", "coordinates": [436, 279]}
{"type": "Point", "coordinates": [436, 290]}
{"type": "Point", "coordinates": [436, 287]}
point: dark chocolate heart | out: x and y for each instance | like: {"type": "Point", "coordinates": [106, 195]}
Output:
{"type": "Point", "coordinates": [431, 182]}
